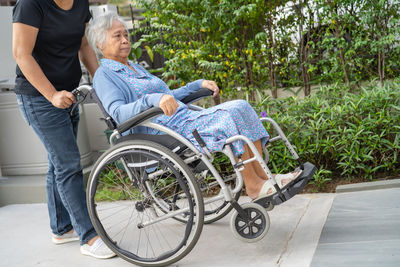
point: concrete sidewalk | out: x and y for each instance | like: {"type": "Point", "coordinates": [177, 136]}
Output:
{"type": "Point", "coordinates": [295, 229]}
{"type": "Point", "coordinates": [358, 229]}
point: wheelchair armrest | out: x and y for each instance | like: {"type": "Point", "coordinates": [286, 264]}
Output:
{"type": "Point", "coordinates": [203, 92]}
{"type": "Point", "coordinates": [154, 111]}
{"type": "Point", "coordinates": [139, 118]}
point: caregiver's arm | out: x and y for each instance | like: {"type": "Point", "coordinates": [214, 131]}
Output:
{"type": "Point", "coordinates": [23, 42]}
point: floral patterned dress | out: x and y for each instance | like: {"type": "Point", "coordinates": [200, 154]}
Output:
{"type": "Point", "coordinates": [214, 124]}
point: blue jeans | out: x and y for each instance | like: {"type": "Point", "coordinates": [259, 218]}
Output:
{"type": "Point", "coordinates": [66, 198]}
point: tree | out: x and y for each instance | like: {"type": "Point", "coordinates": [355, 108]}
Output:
{"type": "Point", "coordinates": [251, 45]}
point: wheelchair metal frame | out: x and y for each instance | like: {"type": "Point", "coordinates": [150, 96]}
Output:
{"type": "Point", "coordinates": [207, 159]}
{"type": "Point", "coordinates": [243, 214]}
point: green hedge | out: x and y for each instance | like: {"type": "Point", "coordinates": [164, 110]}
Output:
{"type": "Point", "coordinates": [344, 132]}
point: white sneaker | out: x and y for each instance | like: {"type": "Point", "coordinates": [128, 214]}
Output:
{"type": "Point", "coordinates": [98, 250]}
{"type": "Point", "coordinates": [65, 238]}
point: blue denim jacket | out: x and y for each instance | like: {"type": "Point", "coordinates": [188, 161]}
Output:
{"type": "Point", "coordinates": [118, 96]}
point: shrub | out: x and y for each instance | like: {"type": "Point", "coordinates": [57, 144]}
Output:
{"type": "Point", "coordinates": [344, 132]}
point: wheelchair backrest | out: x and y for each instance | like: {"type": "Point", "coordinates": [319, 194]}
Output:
{"type": "Point", "coordinates": [111, 124]}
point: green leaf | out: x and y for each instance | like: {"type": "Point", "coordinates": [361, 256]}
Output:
{"type": "Point", "coordinates": [149, 52]}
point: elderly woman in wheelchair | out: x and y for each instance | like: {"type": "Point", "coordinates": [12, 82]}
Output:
{"type": "Point", "coordinates": [165, 181]}
{"type": "Point", "coordinates": [125, 89]}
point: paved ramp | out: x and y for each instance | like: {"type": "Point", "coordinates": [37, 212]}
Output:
{"type": "Point", "coordinates": [362, 229]}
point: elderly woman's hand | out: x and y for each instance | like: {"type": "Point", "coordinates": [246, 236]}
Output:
{"type": "Point", "coordinates": [168, 105]}
{"type": "Point", "coordinates": [211, 85]}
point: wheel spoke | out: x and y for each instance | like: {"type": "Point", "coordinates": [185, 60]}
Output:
{"type": "Point", "coordinates": [122, 197]}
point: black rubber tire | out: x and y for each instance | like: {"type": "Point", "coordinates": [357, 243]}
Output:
{"type": "Point", "coordinates": [185, 180]}
{"type": "Point", "coordinates": [255, 228]}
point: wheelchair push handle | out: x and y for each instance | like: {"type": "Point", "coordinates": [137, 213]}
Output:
{"type": "Point", "coordinates": [80, 96]}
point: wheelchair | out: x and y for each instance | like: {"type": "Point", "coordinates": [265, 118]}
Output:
{"type": "Point", "coordinates": [148, 196]}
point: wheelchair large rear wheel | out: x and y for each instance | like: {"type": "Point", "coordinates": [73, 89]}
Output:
{"type": "Point", "coordinates": [136, 192]}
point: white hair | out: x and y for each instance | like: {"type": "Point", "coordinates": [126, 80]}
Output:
{"type": "Point", "coordinates": [98, 28]}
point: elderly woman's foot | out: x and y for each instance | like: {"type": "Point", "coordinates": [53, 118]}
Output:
{"type": "Point", "coordinates": [284, 180]}
{"type": "Point", "coordinates": [253, 189]}
{"type": "Point", "coordinates": [266, 189]}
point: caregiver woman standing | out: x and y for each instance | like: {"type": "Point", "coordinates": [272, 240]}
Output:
{"type": "Point", "coordinates": [48, 41]}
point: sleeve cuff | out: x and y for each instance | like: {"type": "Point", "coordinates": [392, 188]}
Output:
{"type": "Point", "coordinates": [154, 99]}
{"type": "Point", "coordinates": [194, 86]}
{"type": "Point", "coordinates": [198, 83]}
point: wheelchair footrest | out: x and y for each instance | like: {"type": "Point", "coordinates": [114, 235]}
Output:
{"type": "Point", "coordinates": [293, 189]}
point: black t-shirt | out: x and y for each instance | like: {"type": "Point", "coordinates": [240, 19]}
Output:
{"type": "Point", "coordinates": [57, 44]}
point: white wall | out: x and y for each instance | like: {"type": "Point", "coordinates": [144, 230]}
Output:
{"type": "Point", "coordinates": [21, 151]}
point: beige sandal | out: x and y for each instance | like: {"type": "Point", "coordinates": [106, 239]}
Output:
{"type": "Point", "coordinates": [287, 176]}
{"type": "Point", "coordinates": [266, 190]}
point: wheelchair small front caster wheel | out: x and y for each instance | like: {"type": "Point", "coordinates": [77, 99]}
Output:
{"type": "Point", "coordinates": [253, 228]}
{"type": "Point", "coordinates": [269, 206]}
